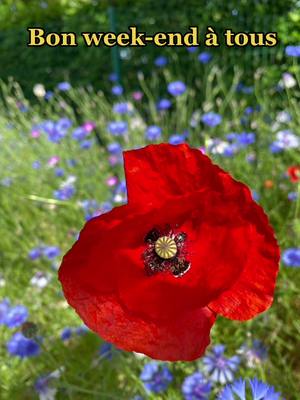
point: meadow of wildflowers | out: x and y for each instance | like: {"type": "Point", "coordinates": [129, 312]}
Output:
{"type": "Point", "coordinates": [61, 165]}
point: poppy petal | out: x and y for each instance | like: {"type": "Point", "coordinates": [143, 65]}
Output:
{"type": "Point", "coordinates": [183, 338]}
{"type": "Point", "coordinates": [158, 172]}
{"type": "Point", "coordinates": [89, 260]}
{"type": "Point", "coordinates": [253, 291]}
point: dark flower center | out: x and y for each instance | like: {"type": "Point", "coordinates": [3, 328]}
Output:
{"type": "Point", "coordinates": [166, 252]}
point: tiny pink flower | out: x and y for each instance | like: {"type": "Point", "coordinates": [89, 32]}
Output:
{"type": "Point", "coordinates": [112, 181]}
{"type": "Point", "coordinates": [35, 134]}
{"type": "Point", "coordinates": [114, 160]}
{"type": "Point", "coordinates": [89, 126]}
{"type": "Point", "coordinates": [137, 96]}
{"type": "Point", "coordinates": [53, 161]}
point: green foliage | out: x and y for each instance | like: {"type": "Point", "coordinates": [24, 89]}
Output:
{"type": "Point", "coordinates": [84, 65]}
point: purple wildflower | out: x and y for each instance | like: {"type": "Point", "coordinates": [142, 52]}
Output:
{"type": "Point", "coordinates": [176, 88]}
{"type": "Point", "coordinates": [20, 346]}
{"type": "Point", "coordinates": [196, 387]}
{"type": "Point", "coordinates": [211, 119]}
{"type": "Point", "coordinates": [156, 377]}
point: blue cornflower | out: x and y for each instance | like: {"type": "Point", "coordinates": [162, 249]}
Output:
{"type": "Point", "coordinates": [117, 128]}
{"type": "Point", "coordinates": [22, 107]}
{"type": "Point", "coordinates": [248, 110]}
{"type": "Point", "coordinates": [113, 77]}
{"type": "Point", "coordinates": [43, 388]}
{"type": "Point", "coordinates": [50, 129]}
{"type": "Point", "coordinates": [192, 49]}
{"type": "Point", "coordinates": [49, 94]}
{"type": "Point", "coordinates": [255, 354]}
{"type": "Point", "coordinates": [6, 181]}
{"type": "Point", "coordinates": [196, 387]}
{"type": "Point", "coordinates": [230, 150]}
{"type": "Point", "coordinates": [259, 391]}
{"type": "Point", "coordinates": [220, 368]}
{"type": "Point", "coordinates": [56, 131]}
{"type": "Point", "coordinates": [163, 104]}
{"type": "Point", "coordinates": [86, 144]}
{"type": "Point", "coordinates": [211, 119]}
{"type": "Point", "coordinates": [244, 89]}
{"type": "Point", "coordinates": [153, 132]}
{"type": "Point", "coordinates": [35, 253]}
{"type": "Point", "coordinates": [292, 196]}
{"type": "Point", "coordinates": [64, 86]}
{"type": "Point", "coordinates": [36, 164]}
{"type": "Point", "coordinates": [117, 90]}
{"type": "Point", "coordinates": [259, 349]}
{"type": "Point", "coordinates": [292, 51]}
{"type": "Point", "coordinates": [245, 138]}
{"type": "Point", "coordinates": [291, 257]}
{"type": "Point", "coordinates": [156, 377]}
{"type": "Point", "coordinates": [275, 148]}
{"type": "Point", "coordinates": [122, 108]}
{"type": "Point", "coordinates": [71, 162]}
{"type": "Point", "coordinates": [161, 61]}
{"type": "Point", "coordinates": [106, 350]}
{"type": "Point", "coordinates": [4, 309]}
{"type": "Point", "coordinates": [177, 139]}
{"type": "Point", "coordinates": [114, 148]}
{"type": "Point", "coordinates": [51, 252]}
{"type": "Point", "coordinates": [79, 133]}
{"type": "Point", "coordinates": [121, 188]}
{"type": "Point", "coordinates": [232, 136]}
{"type": "Point", "coordinates": [176, 88]}
{"type": "Point", "coordinates": [64, 193]}
{"type": "Point", "coordinates": [66, 334]}
{"type": "Point", "coordinates": [64, 124]}
{"type": "Point", "coordinates": [59, 172]}
{"type": "Point", "coordinates": [20, 346]}
{"type": "Point", "coordinates": [16, 316]}
{"type": "Point", "coordinates": [204, 57]}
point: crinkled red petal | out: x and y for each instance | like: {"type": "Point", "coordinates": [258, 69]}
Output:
{"type": "Point", "coordinates": [156, 173]}
{"type": "Point", "coordinates": [253, 291]}
{"type": "Point", "coordinates": [183, 338]}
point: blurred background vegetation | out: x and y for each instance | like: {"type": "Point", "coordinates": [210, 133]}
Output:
{"type": "Point", "coordinates": [82, 65]}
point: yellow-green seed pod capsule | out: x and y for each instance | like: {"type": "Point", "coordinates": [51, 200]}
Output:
{"type": "Point", "coordinates": [165, 247]}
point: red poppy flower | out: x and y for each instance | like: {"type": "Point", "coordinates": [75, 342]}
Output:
{"type": "Point", "coordinates": [294, 173]}
{"type": "Point", "coordinates": [151, 276]}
